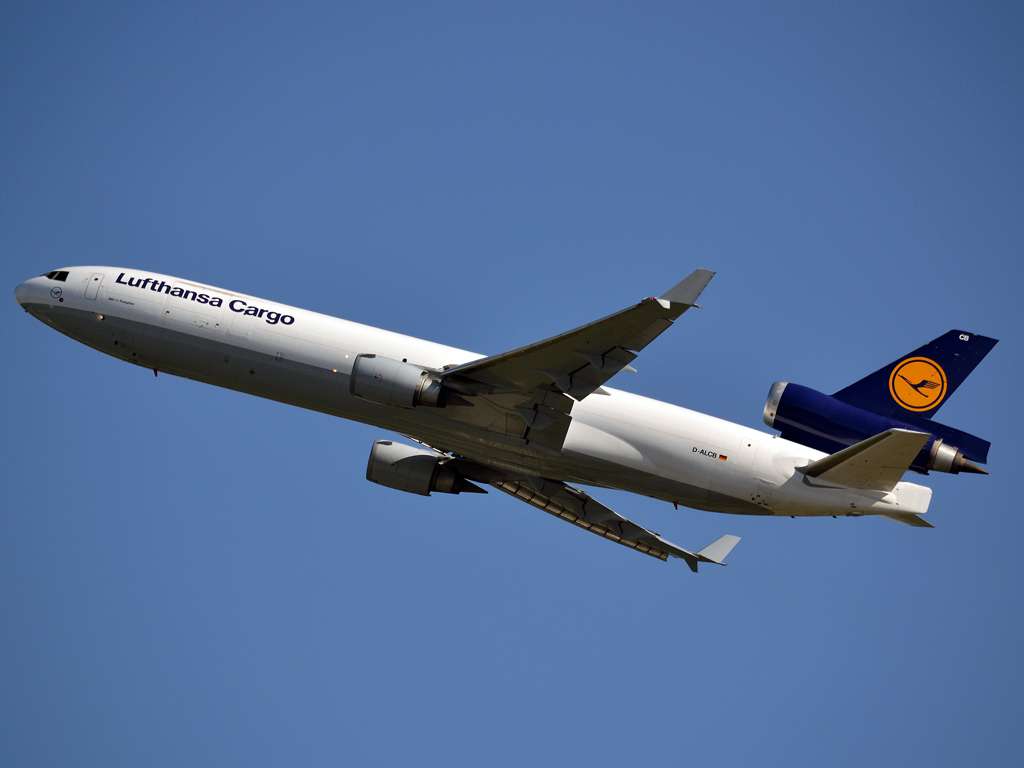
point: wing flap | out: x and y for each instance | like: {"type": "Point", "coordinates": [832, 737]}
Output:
{"type": "Point", "coordinates": [876, 464]}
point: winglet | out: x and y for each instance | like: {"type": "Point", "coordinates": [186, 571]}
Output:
{"type": "Point", "coordinates": [688, 291]}
{"type": "Point", "coordinates": [714, 552]}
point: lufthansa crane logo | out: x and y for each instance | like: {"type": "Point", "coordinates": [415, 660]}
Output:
{"type": "Point", "coordinates": [918, 384]}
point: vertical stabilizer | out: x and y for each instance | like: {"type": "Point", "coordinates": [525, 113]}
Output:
{"type": "Point", "coordinates": [919, 383]}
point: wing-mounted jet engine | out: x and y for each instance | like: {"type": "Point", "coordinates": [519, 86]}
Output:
{"type": "Point", "coordinates": [902, 395]}
{"type": "Point", "coordinates": [414, 470]}
{"type": "Point", "coordinates": [401, 384]}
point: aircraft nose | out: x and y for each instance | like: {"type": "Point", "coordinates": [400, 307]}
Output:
{"type": "Point", "coordinates": [22, 293]}
{"type": "Point", "coordinates": [34, 291]}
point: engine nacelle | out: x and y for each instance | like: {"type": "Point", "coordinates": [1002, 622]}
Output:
{"type": "Point", "coordinates": [391, 382]}
{"type": "Point", "coordinates": [825, 423]}
{"type": "Point", "coordinates": [413, 470]}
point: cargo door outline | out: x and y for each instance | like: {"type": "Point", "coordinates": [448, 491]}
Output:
{"type": "Point", "coordinates": [92, 288]}
{"type": "Point", "coordinates": [746, 452]}
{"type": "Point", "coordinates": [240, 326]}
{"type": "Point", "coordinates": [762, 496]}
{"type": "Point", "coordinates": [191, 314]}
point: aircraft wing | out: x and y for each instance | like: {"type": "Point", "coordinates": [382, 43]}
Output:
{"type": "Point", "coordinates": [575, 506]}
{"type": "Point", "coordinates": [529, 392]}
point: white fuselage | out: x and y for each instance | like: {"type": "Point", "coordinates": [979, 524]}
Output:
{"type": "Point", "coordinates": [618, 440]}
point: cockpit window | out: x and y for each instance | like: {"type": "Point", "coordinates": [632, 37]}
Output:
{"type": "Point", "coordinates": [58, 275]}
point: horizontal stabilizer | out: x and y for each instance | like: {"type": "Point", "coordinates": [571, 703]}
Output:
{"type": "Point", "coordinates": [875, 464]}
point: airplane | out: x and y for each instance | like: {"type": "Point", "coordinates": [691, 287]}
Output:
{"type": "Point", "coordinates": [538, 421]}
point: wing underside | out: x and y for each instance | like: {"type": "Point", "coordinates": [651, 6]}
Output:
{"type": "Point", "coordinates": [575, 506]}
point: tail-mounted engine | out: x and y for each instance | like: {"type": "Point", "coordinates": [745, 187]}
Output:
{"type": "Point", "coordinates": [825, 423]}
{"type": "Point", "coordinates": [414, 470]}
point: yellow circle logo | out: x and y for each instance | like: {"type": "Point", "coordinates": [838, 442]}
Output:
{"type": "Point", "coordinates": [918, 384]}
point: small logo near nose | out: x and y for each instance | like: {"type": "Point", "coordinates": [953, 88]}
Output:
{"type": "Point", "coordinates": [56, 292]}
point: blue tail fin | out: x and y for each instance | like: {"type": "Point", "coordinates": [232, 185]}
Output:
{"type": "Point", "coordinates": [919, 383]}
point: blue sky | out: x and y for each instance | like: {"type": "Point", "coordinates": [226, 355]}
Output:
{"type": "Point", "coordinates": [192, 576]}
